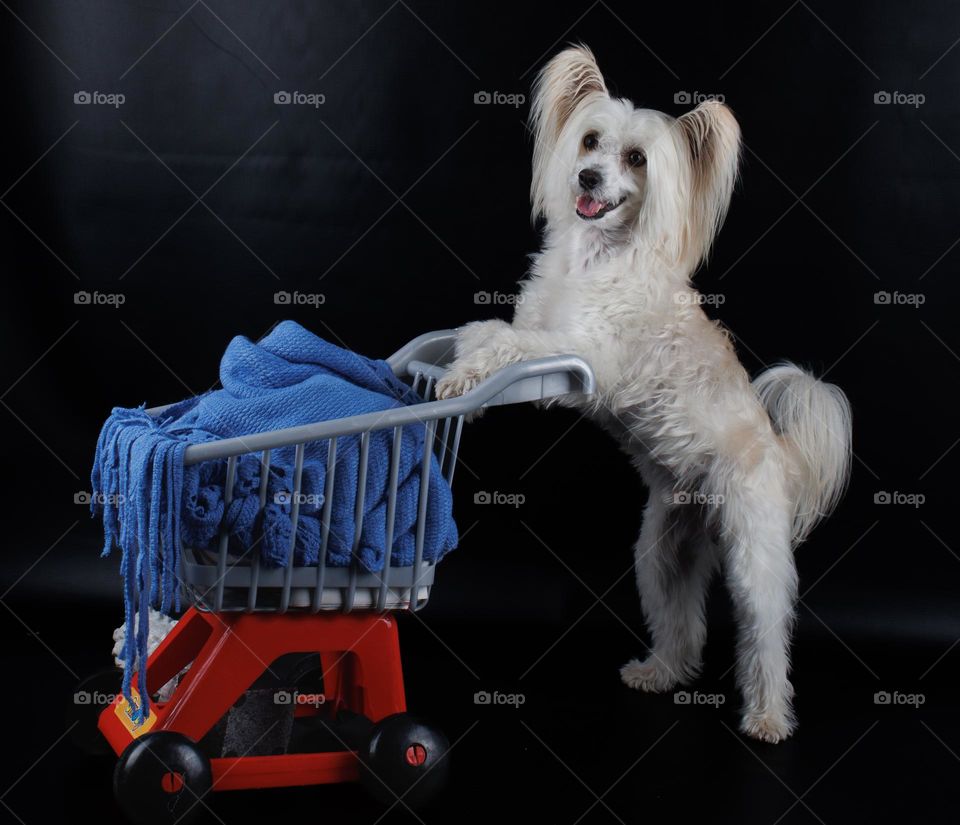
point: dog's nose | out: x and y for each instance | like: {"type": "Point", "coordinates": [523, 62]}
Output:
{"type": "Point", "coordinates": [589, 178]}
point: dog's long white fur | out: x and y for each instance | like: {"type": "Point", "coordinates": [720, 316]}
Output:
{"type": "Point", "coordinates": [739, 472]}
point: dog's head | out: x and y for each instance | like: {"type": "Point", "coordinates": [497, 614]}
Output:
{"type": "Point", "coordinates": [665, 182]}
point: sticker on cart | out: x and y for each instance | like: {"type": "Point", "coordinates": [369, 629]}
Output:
{"type": "Point", "coordinates": [126, 710]}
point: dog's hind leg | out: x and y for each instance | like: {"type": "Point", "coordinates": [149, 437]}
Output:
{"type": "Point", "coordinates": [674, 562]}
{"type": "Point", "coordinates": [762, 576]}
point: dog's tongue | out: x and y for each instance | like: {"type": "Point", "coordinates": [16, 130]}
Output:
{"type": "Point", "coordinates": [587, 206]}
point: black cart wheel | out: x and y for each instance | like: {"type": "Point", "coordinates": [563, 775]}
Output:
{"type": "Point", "coordinates": [161, 778]}
{"type": "Point", "coordinates": [87, 702]}
{"type": "Point", "coordinates": [406, 758]}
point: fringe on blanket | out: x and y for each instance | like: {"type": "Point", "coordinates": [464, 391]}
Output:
{"type": "Point", "coordinates": [137, 481]}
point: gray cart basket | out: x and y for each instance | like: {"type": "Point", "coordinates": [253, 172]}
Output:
{"type": "Point", "coordinates": [223, 581]}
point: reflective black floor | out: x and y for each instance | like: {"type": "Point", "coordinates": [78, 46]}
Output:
{"type": "Point", "coordinates": [571, 745]}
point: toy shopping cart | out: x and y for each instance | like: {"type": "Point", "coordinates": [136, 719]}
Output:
{"type": "Point", "coordinates": [292, 676]}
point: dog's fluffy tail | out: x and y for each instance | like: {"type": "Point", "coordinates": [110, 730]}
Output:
{"type": "Point", "coordinates": [815, 421]}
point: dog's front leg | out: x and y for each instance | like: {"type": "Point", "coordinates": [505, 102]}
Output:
{"type": "Point", "coordinates": [483, 347]}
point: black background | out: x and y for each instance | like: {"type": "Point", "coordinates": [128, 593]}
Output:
{"type": "Point", "coordinates": [398, 200]}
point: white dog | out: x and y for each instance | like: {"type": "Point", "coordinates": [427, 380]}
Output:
{"type": "Point", "coordinates": [739, 472]}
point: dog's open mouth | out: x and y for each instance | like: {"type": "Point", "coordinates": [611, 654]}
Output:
{"type": "Point", "coordinates": [590, 209]}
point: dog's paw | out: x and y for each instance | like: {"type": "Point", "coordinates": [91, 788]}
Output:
{"type": "Point", "coordinates": [457, 382]}
{"type": "Point", "coordinates": [768, 727]}
{"type": "Point", "coordinates": [650, 676]}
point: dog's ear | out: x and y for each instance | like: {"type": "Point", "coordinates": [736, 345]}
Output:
{"type": "Point", "coordinates": [568, 81]}
{"type": "Point", "coordinates": [711, 138]}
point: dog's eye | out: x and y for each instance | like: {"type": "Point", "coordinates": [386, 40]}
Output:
{"type": "Point", "coordinates": [636, 158]}
{"type": "Point", "coordinates": [590, 141]}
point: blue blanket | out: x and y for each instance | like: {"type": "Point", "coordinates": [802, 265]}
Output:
{"type": "Point", "coordinates": [151, 504]}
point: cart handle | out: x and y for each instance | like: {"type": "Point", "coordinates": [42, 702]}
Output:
{"type": "Point", "coordinates": [428, 354]}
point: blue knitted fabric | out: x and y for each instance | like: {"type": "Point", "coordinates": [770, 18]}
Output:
{"type": "Point", "coordinates": [150, 503]}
